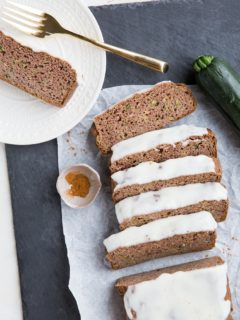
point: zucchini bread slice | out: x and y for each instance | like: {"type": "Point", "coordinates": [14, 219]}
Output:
{"type": "Point", "coordinates": [38, 73]}
{"type": "Point", "coordinates": [161, 238]}
{"type": "Point", "coordinates": [160, 145]}
{"type": "Point", "coordinates": [152, 176]}
{"type": "Point", "coordinates": [171, 201]}
{"type": "Point", "coordinates": [142, 112]}
{"type": "Point", "coordinates": [193, 290]}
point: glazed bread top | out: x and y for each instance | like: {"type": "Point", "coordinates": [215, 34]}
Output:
{"type": "Point", "coordinates": [169, 198]}
{"type": "Point", "coordinates": [149, 171]}
{"type": "Point", "coordinates": [194, 294]}
{"type": "Point", "coordinates": [153, 139]}
{"type": "Point", "coordinates": [161, 229]}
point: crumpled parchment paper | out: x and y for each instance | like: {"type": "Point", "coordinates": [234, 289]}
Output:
{"type": "Point", "coordinates": [91, 281]}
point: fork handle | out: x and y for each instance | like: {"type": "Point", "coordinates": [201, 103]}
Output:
{"type": "Point", "coordinates": [152, 63]}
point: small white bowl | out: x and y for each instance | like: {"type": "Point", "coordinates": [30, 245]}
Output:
{"type": "Point", "coordinates": [63, 186]}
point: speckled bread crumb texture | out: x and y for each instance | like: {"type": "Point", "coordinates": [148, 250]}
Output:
{"type": "Point", "coordinates": [38, 73]}
{"type": "Point", "coordinates": [144, 111]}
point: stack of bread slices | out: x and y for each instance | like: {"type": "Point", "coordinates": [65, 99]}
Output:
{"type": "Point", "coordinates": [166, 182]}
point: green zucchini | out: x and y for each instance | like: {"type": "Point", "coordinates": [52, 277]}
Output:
{"type": "Point", "coordinates": [221, 82]}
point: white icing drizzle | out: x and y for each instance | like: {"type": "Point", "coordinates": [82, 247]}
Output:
{"type": "Point", "coordinates": [150, 171]}
{"type": "Point", "coordinates": [197, 295]}
{"type": "Point", "coordinates": [161, 229]}
{"type": "Point", "coordinates": [152, 139]}
{"type": "Point", "coordinates": [169, 198]}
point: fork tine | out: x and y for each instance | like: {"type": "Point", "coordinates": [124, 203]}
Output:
{"type": "Point", "coordinates": [25, 15]}
{"type": "Point", "coordinates": [23, 28]}
{"type": "Point", "coordinates": [26, 8]}
{"type": "Point", "coordinates": [26, 22]}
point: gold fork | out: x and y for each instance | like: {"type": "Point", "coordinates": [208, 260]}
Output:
{"type": "Point", "coordinates": [41, 24]}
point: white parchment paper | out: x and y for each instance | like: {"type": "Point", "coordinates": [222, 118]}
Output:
{"type": "Point", "coordinates": [91, 281]}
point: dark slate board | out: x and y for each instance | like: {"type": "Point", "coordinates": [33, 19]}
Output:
{"type": "Point", "coordinates": [42, 256]}
{"type": "Point", "coordinates": [176, 31]}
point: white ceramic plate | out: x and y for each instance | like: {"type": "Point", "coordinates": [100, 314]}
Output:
{"type": "Point", "coordinates": [26, 120]}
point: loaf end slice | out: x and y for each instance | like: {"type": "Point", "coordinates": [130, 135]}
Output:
{"type": "Point", "coordinates": [123, 283]}
{"type": "Point", "coordinates": [152, 283]}
{"type": "Point", "coordinates": [38, 73]}
{"type": "Point", "coordinates": [142, 112]}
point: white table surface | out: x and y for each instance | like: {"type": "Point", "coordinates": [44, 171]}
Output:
{"type": "Point", "coordinates": [10, 297]}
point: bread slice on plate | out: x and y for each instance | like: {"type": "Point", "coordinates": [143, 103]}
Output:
{"type": "Point", "coordinates": [38, 73]}
{"type": "Point", "coordinates": [161, 238]}
{"type": "Point", "coordinates": [193, 290]}
{"type": "Point", "coordinates": [164, 144]}
{"type": "Point", "coordinates": [144, 111]}
{"type": "Point", "coordinates": [172, 201]}
{"type": "Point", "coordinates": [152, 176]}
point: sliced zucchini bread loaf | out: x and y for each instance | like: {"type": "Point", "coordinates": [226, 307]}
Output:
{"type": "Point", "coordinates": [142, 112]}
{"type": "Point", "coordinates": [193, 290]}
{"type": "Point", "coordinates": [38, 73]}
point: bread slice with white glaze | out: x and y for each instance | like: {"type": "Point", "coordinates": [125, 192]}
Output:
{"type": "Point", "coordinates": [142, 112]}
{"type": "Point", "coordinates": [171, 201]}
{"type": "Point", "coordinates": [152, 176]}
{"type": "Point", "coordinates": [161, 238]}
{"type": "Point", "coordinates": [164, 144]}
{"type": "Point", "coordinates": [193, 290]}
